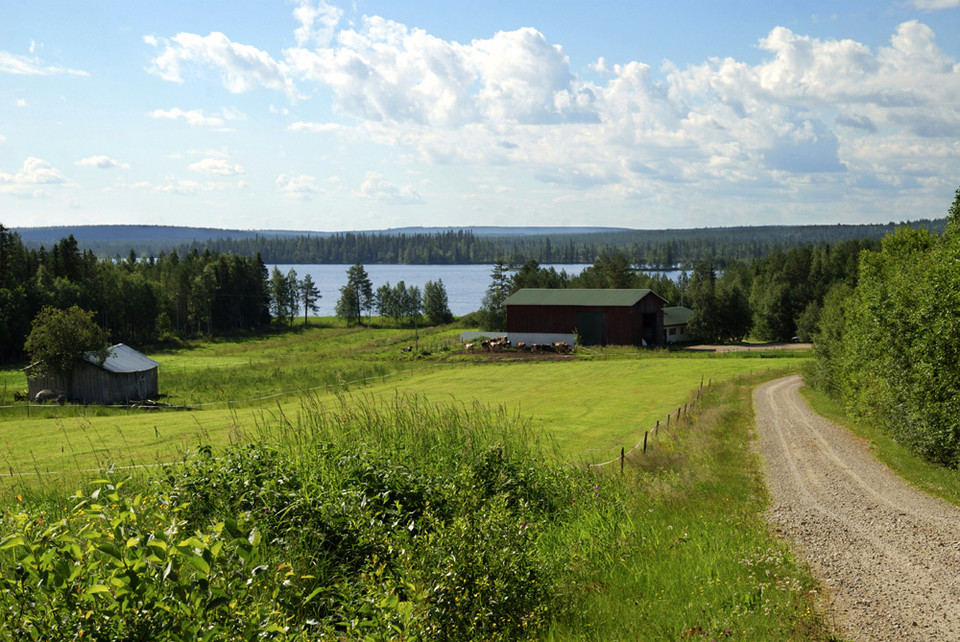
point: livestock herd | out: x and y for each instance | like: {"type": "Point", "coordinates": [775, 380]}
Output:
{"type": "Point", "coordinates": [500, 344]}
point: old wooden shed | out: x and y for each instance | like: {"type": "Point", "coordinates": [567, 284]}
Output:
{"type": "Point", "coordinates": [125, 375]}
{"type": "Point", "coordinates": [594, 317]}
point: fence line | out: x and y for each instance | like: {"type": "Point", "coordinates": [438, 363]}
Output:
{"type": "Point", "coordinates": [683, 411]}
{"type": "Point", "coordinates": [395, 373]}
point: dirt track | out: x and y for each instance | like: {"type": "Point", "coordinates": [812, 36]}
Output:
{"type": "Point", "coordinates": [887, 555]}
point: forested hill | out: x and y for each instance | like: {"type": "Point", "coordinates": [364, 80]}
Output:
{"type": "Point", "coordinates": [649, 248]}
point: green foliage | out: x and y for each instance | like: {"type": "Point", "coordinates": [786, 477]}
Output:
{"type": "Point", "coordinates": [60, 339]}
{"type": "Point", "coordinates": [891, 346]}
{"type": "Point", "coordinates": [284, 295]}
{"type": "Point", "coordinates": [436, 306]}
{"type": "Point", "coordinates": [493, 313]}
{"type": "Point", "coordinates": [309, 295]}
{"type": "Point", "coordinates": [124, 567]}
{"type": "Point", "coordinates": [356, 296]}
{"type": "Point", "coordinates": [399, 302]}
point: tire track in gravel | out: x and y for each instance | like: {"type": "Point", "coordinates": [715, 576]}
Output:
{"type": "Point", "coordinates": [887, 554]}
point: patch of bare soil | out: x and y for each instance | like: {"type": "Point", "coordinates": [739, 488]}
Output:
{"type": "Point", "coordinates": [747, 347]}
{"type": "Point", "coordinates": [887, 555]}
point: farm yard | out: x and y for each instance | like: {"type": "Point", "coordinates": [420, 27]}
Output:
{"type": "Point", "coordinates": [355, 475]}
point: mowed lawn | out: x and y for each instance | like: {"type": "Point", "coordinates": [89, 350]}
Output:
{"type": "Point", "coordinates": [591, 407]}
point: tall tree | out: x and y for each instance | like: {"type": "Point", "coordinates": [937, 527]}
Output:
{"type": "Point", "coordinates": [493, 313]}
{"type": "Point", "coordinates": [356, 296]}
{"type": "Point", "coordinates": [309, 296]}
{"type": "Point", "coordinates": [436, 306]}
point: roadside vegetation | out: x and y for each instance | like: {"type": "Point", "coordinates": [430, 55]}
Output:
{"type": "Point", "coordinates": [887, 347]}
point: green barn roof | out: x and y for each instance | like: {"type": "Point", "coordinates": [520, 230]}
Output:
{"type": "Point", "coordinates": [677, 315]}
{"type": "Point", "coordinates": [578, 297]}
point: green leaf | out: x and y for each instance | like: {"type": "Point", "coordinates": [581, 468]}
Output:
{"type": "Point", "coordinates": [97, 588]}
{"type": "Point", "coordinates": [110, 548]}
{"type": "Point", "coordinates": [11, 541]}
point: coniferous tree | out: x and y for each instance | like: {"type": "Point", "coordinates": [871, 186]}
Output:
{"type": "Point", "coordinates": [309, 295]}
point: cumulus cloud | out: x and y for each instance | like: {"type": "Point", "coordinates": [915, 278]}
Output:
{"type": "Point", "coordinates": [375, 187]}
{"type": "Point", "coordinates": [315, 128]}
{"type": "Point", "coordinates": [196, 117]}
{"type": "Point", "coordinates": [32, 66]}
{"type": "Point", "coordinates": [242, 67]}
{"type": "Point", "coordinates": [317, 23]}
{"type": "Point", "coordinates": [101, 162]}
{"type": "Point", "coordinates": [300, 188]}
{"type": "Point", "coordinates": [217, 166]}
{"type": "Point", "coordinates": [26, 181]}
{"type": "Point", "coordinates": [934, 5]}
{"type": "Point", "coordinates": [811, 107]}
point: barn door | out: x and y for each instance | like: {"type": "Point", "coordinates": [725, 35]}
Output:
{"type": "Point", "coordinates": [590, 328]}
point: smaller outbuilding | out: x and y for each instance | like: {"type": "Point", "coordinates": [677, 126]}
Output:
{"type": "Point", "coordinates": [125, 375]}
{"type": "Point", "coordinates": [675, 320]}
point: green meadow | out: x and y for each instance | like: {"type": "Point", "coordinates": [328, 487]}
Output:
{"type": "Point", "coordinates": [328, 484]}
{"type": "Point", "coordinates": [592, 405]}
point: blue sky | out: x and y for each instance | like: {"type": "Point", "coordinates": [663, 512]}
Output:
{"type": "Point", "coordinates": [372, 114]}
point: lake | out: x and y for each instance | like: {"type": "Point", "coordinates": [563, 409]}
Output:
{"type": "Point", "coordinates": [465, 284]}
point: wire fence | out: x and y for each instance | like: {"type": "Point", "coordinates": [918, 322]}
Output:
{"type": "Point", "coordinates": [683, 412]}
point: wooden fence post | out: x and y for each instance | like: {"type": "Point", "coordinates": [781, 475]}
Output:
{"type": "Point", "coordinates": [656, 429]}
{"type": "Point", "coordinates": [645, 433]}
{"type": "Point", "coordinates": [621, 460]}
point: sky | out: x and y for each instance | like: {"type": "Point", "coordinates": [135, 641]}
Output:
{"type": "Point", "coordinates": [375, 114]}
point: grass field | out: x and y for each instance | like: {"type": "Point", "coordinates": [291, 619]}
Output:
{"type": "Point", "coordinates": [592, 406]}
{"type": "Point", "coordinates": [467, 451]}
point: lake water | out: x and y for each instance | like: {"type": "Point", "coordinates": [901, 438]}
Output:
{"type": "Point", "coordinates": [465, 284]}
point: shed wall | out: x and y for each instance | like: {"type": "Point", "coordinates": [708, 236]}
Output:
{"type": "Point", "coordinates": [90, 384]}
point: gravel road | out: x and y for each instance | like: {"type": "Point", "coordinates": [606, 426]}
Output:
{"type": "Point", "coordinates": [887, 555]}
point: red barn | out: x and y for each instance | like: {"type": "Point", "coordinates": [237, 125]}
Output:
{"type": "Point", "coordinates": [596, 317]}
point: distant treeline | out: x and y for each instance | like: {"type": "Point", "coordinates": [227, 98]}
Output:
{"type": "Point", "coordinates": [644, 248]}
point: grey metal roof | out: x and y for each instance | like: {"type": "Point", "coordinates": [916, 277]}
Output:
{"type": "Point", "coordinates": [123, 358]}
{"type": "Point", "coordinates": [677, 315]}
{"type": "Point", "coordinates": [578, 296]}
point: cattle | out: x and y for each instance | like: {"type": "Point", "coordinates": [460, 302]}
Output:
{"type": "Point", "coordinates": [20, 396]}
{"type": "Point", "coordinates": [521, 346]}
{"type": "Point", "coordinates": [468, 347]}
{"type": "Point", "coordinates": [49, 395]}
{"type": "Point", "coordinates": [562, 347]}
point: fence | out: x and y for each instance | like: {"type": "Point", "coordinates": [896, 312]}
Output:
{"type": "Point", "coordinates": [683, 412]}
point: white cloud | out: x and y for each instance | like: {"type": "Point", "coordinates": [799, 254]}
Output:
{"type": "Point", "coordinates": [317, 23]}
{"type": "Point", "coordinates": [217, 166]}
{"type": "Point", "coordinates": [315, 128]}
{"type": "Point", "coordinates": [101, 162]}
{"type": "Point", "coordinates": [242, 67]}
{"type": "Point", "coordinates": [21, 102]}
{"type": "Point", "coordinates": [193, 117]}
{"type": "Point", "coordinates": [375, 187]}
{"type": "Point", "coordinates": [934, 5]}
{"type": "Point", "coordinates": [809, 114]}
{"type": "Point", "coordinates": [299, 188]}
{"type": "Point", "coordinates": [32, 66]}
{"type": "Point", "coordinates": [26, 181]}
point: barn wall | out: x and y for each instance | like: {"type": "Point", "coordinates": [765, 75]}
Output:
{"type": "Point", "coordinates": [621, 325]}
